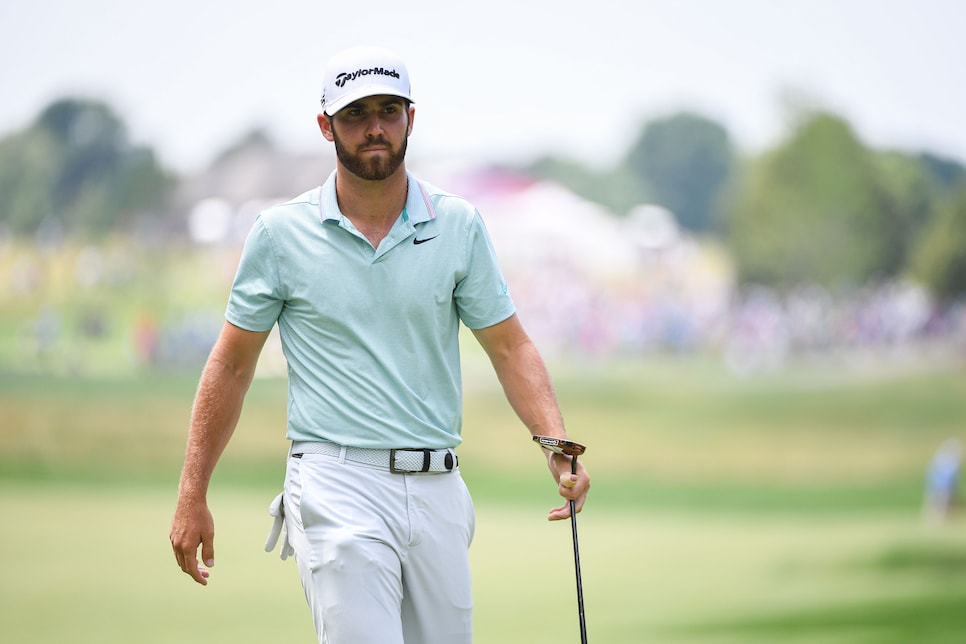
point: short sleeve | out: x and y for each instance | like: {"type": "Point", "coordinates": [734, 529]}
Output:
{"type": "Point", "coordinates": [256, 298]}
{"type": "Point", "coordinates": [482, 295]}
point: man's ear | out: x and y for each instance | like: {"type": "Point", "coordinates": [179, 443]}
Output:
{"type": "Point", "coordinates": [325, 124]}
{"type": "Point", "coordinates": [412, 115]}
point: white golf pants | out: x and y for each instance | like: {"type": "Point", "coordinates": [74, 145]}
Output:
{"type": "Point", "coordinates": [382, 556]}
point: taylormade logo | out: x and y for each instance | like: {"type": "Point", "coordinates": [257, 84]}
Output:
{"type": "Point", "coordinates": [345, 77]}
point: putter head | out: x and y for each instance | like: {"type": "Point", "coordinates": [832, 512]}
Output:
{"type": "Point", "coordinates": [560, 445]}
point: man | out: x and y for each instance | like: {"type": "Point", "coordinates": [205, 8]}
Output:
{"type": "Point", "coordinates": [368, 279]}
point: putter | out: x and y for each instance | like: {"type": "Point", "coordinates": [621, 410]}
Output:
{"type": "Point", "coordinates": [572, 449]}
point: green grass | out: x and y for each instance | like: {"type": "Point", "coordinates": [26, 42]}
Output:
{"type": "Point", "coordinates": [776, 508]}
{"type": "Point", "coordinates": [93, 565]}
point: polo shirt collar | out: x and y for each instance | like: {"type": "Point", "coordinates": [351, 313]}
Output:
{"type": "Point", "coordinates": [419, 207]}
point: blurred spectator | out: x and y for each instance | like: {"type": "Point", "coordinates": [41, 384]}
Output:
{"type": "Point", "coordinates": [942, 481]}
{"type": "Point", "coordinates": [145, 336]}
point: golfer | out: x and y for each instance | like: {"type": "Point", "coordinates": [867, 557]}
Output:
{"type": "Point", "coordinates": [368, 278]}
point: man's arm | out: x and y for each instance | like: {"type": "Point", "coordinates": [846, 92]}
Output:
{"type": "Point", "coordinates": [217, 407]}
{"type": "Point", "coordinates": [525, 381]}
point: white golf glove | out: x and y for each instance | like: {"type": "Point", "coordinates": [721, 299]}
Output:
{"type": "Point", "coordinates": [277, 509]}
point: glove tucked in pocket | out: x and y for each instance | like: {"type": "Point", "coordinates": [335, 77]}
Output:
{"type": "Point", "coordinates": [277, 509]}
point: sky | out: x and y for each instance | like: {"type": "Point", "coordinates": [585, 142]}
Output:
{"type": "Point", "coordinates": [501, 80]}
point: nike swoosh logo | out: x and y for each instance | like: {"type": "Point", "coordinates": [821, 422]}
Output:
{"type": "Point", "coordinates": [423, 241]}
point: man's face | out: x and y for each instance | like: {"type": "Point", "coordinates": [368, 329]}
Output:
{"type": "Point", "coordinates": [371, 136]}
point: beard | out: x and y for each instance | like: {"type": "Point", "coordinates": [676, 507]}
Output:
{"type": "Point", "coordinates": [373, 168]}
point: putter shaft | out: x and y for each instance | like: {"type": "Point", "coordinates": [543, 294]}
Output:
{"type": "Point", "coordinates": [580, 586]}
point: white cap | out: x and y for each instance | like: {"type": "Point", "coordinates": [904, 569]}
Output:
{"type": "Point", "coordinates": [360, 72]}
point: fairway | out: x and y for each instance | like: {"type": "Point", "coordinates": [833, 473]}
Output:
{"type": "Point", "coordinates": [780, 508]}
{"type": "Point", "coordinates": [83, 565]}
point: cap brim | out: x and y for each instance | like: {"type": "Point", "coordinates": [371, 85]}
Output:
{"type": "Point", "coordinates": [363, 92]}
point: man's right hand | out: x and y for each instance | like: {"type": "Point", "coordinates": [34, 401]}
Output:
{"type": "Point", "coordinates": [192, 526]}
{"type": "Point", "coordinates": [218, 404]}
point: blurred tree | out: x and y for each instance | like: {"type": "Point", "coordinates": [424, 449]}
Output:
{"type": "Point", "coordinates": [940, 258]}
{"type": "Point", "coordinates": [75, 168]}
{"type": "Point", "coordinates": [910, 195]}
{"type": "Point", "coordinates": [28, 170]}
{"type": "Point", "coordinates": [946, 173]}
{"type": "Point", "coordinates": [683, 162]}
{"type": "Point", "coordinates": [814, 210]}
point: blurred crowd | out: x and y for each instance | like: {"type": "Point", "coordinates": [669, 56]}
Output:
{"type": "Point", "coordinates": [587, 284]}
{"type": "Point", "coordinates": [752, 329]}
{"type": "Point", "coordinates": [590, 284]}
{"type": "Point", "coordinates": [568, 315]}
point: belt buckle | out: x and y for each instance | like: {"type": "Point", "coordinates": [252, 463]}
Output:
{"type": "Point", "coordinates": [449, 462]}
{"type": "Point", "coordinates": [427, 456]}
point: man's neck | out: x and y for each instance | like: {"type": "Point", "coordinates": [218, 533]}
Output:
{"type": "Point", "coordinates": [371, 206]}
{"type": "Point", "coordinates": [371, 201]}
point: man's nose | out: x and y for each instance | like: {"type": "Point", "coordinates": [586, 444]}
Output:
{"type": "Point", "coordinates": [374, 127]}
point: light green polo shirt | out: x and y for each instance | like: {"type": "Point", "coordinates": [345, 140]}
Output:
{"type": "Point", "coordinates": [371, 334]}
